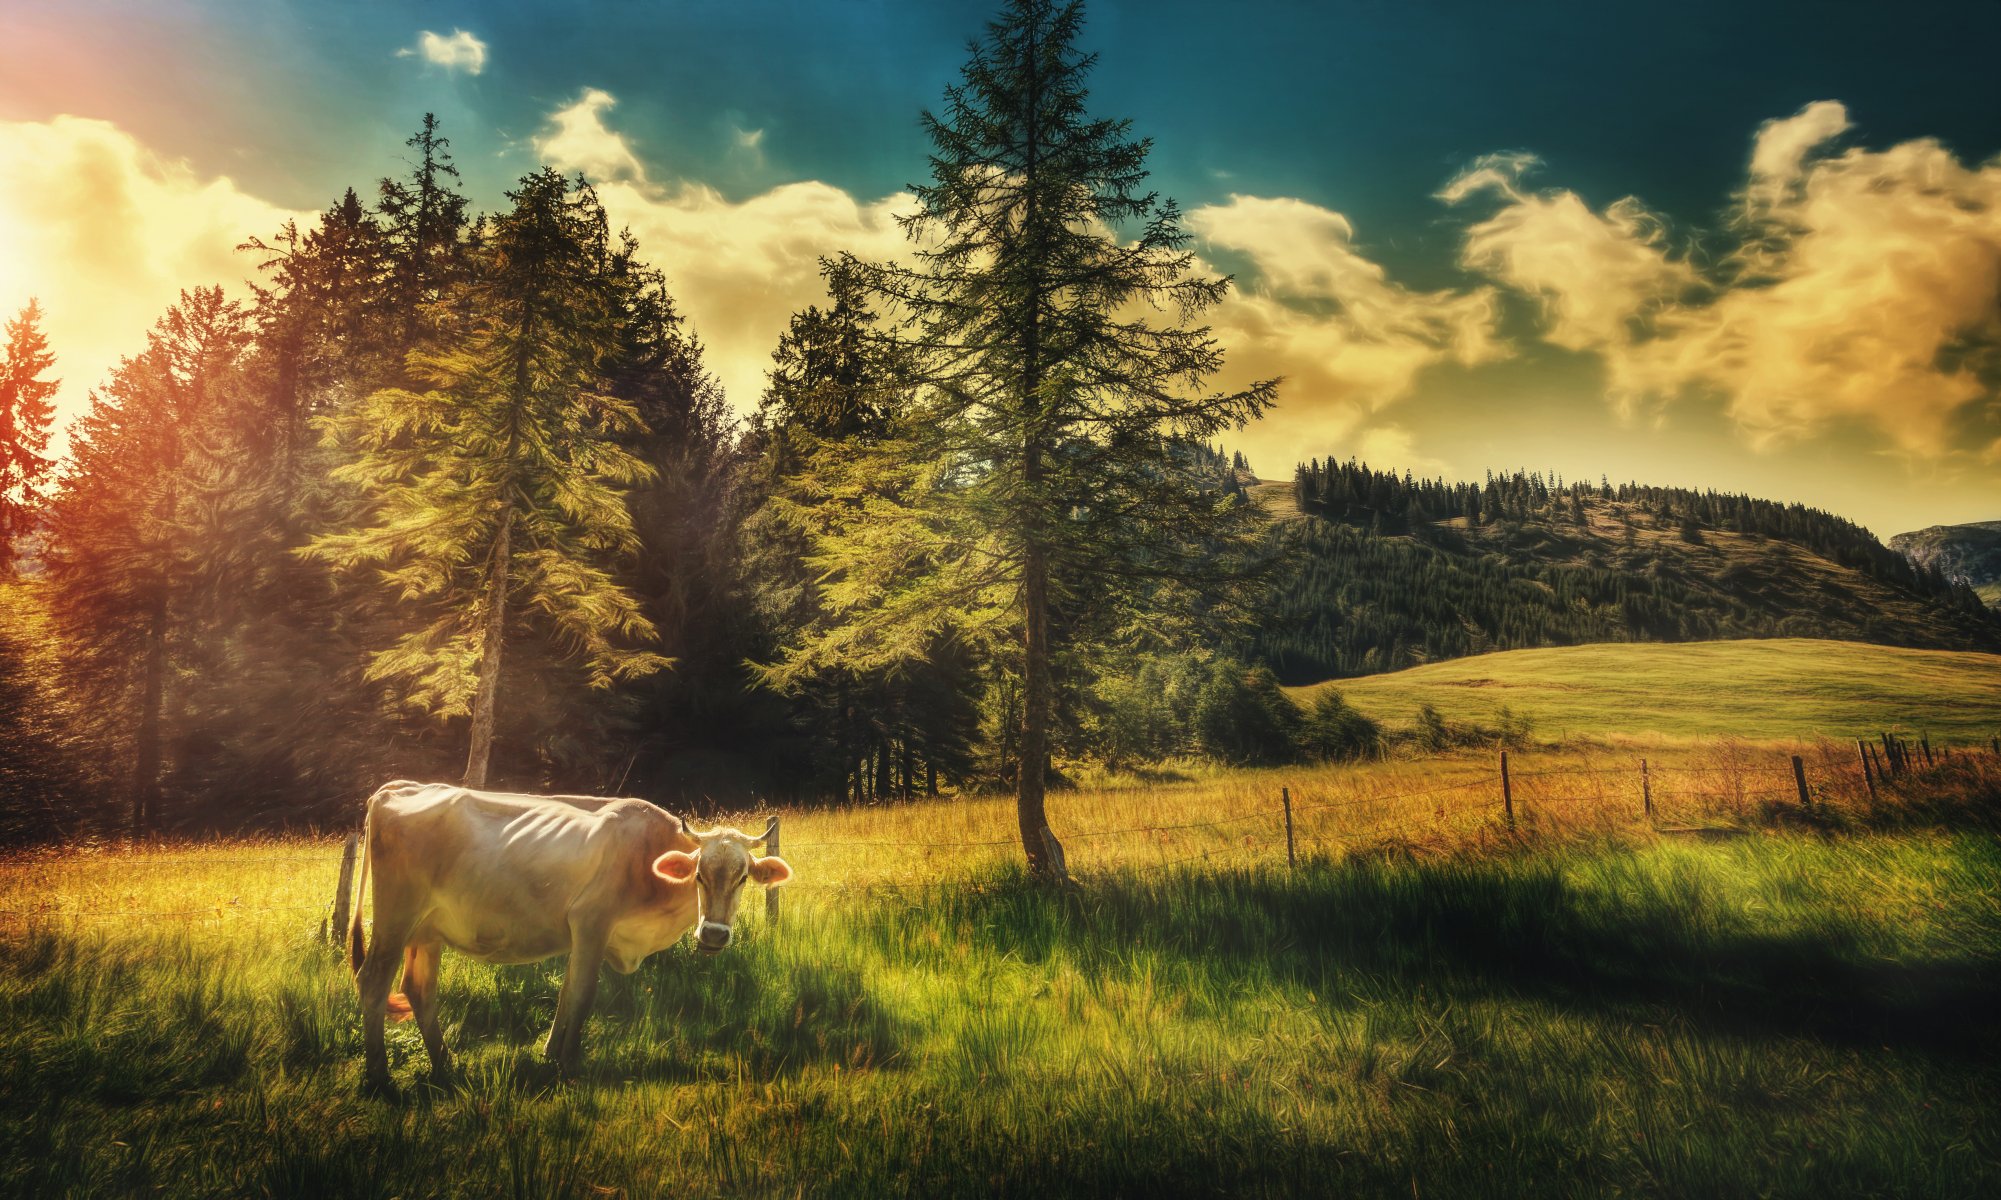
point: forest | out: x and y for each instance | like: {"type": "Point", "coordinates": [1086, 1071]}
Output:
{"type": "Point", "coordinates": [451, 494]}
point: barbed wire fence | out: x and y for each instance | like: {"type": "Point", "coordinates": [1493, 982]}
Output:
{"type": "Point", "coordinates": [1508, 796]}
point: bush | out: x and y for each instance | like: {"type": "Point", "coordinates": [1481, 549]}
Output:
{"type": "Point", "coordinates": [1333, 731]}
{"type": "Point", "coordinates": [1242, 717]}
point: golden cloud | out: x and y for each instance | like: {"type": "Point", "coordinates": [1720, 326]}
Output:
{"type": "Point", "coordinates": [106, 233]}
{"type": "Point", "coordinates": [1349, 341]}
{"type": "Point", "coordinates": [738, 269]}
{"type": "Point", "coordinates": [1864, 291]}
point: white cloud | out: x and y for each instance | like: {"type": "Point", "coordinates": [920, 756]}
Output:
{"type": "Point", "coordinates": [1349, 341]}
{"type": "Point", "coordinates": [1863, 292]}
{"type": "Point", "coordinates": [458, 51]}
{"type": "Point", "coordinates": [107, 233]}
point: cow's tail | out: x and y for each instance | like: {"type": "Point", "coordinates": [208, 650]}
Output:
{"type": "Point", "coordinates": [357, 946]}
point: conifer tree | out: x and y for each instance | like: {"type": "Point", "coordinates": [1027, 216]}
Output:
{"type": "Point", "coordinates": [1036, 480]}
{"type": "Point", "coordinates": [425, 223]}
{"type": "Point", "coordinates": [122, 538]}
{"type": "Point", "coordinates": [27, 405]}
{"type": "Point", "coordinates": [498, 493]}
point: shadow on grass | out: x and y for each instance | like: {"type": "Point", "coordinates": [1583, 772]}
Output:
{"type": "Point", "coordinates": [1641, 945]}
{"type": "Point", "coordinates": [684, 1017]}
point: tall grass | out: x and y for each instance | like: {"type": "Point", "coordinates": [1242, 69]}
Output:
{"type": "Point", "coordinates": [1428, 1004]}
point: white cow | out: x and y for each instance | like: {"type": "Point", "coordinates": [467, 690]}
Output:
{"type": "Point", "coordinates": [512, 878]}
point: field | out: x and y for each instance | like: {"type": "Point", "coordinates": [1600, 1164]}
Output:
{"type": "Point", "coordinates": [1773, 689]}
{"type": "Point", "coordinates": [1773, 1004]}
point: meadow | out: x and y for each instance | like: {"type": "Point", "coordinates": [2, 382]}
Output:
{"type": "Point", "coordinates": [1759, 689]}
{"type": "Point", "coordinates": [1732, 998]}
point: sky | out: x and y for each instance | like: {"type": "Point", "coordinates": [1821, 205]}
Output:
{"type": "Point", "coordinates": [1751, 246]}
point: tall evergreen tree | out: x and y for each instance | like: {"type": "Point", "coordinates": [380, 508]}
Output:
{"type": "Point", "coordinates": [121, 547]}
{"type": "Point", "coordinates": [27, 405]}
{"type": "Point", "coordinates": [1035, 482]}
{"type": "Point", "coordinates": [499, 492]}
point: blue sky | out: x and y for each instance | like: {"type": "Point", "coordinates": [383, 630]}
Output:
{"type": "Point", "coordinates": [1534, 322]}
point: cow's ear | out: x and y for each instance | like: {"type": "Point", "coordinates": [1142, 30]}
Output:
{"type": "Point", "coordinates": [770, 872]}
{"type": "Point", "coordinates": [675, 866]}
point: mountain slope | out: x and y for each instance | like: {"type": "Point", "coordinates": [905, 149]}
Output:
{"type": "Point", "coordinates": [1971, 552]}
{"type": "Point", "coordinates": [1783, 688]}
{"type": "Point", "coordinates": [1387, 581]}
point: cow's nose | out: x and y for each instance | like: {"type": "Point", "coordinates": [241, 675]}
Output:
{"type": "Point", "coordinates": [714, 937]}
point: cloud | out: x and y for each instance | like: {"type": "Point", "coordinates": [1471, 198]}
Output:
{"type": "Point", "coordinates": [1862, 291]}
{"type": "Point", "coordinates": [1780, 148]}
{"type": "Point", "coordinates": [579, 140]}
{"type": "Point", "coordinates": [461, 51]}
{"type": "Point", "coordinates": [1349, 341]}
{"type": "Point", "coordinates": [107, 233]}
{"type": "Point", "coordinates": [1592, 273]}
{"type": "Point", "coordinates": [738, 269]}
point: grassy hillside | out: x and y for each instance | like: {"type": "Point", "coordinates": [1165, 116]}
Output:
{"type": "Point", "coordinates": [1782, 688]}
{"type": "Point", "coordinates": [1784, 1015]}
{"type": "Point", "coordinates": [1394, 575]}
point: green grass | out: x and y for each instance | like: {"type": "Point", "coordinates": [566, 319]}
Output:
{"type": "Point", "coordinates": [1783, 688]}
{"type": "Point", "coordinates": [1783, 1014]}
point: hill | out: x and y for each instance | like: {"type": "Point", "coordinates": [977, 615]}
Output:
{"type": "Point", "coordinates": [1783, 688]}
{"type": "Point", "coordinates": [1390, 572]}
{"type": "Point", "coordinates": [1970, 552]}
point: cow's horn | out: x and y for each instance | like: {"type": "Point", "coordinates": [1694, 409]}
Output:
{"type": "Point", "coordinates": [770, 825]}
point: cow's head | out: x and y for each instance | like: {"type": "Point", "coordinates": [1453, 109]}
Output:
{"type": "Point", "coordinates": [720, 867]}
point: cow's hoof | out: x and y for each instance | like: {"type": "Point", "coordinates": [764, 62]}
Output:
{"type": "Point", "coordinates": [380, 1089]}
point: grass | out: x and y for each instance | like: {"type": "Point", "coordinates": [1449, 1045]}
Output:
{"type": "Point", "coordinates": [1426, 1006]}
{"type": "Point", "coordinates": [1782, 688]}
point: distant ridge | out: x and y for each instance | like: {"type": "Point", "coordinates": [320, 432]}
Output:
{"type": "Point", "coordinates": [1391, 572]}
{"type": "Point", "coordinates": [1970, 553]}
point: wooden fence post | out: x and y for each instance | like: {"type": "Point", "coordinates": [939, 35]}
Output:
{"type": "Point", "coordinates": [1994, 744]}
{"type": "Point", "coordinates": [771, 894]}
{"type": "Point", "coordinates": [1799, 780]}
{"type": "Point", "coordinates": [1285, 797]}
{"type": "Point", "coordinates": [1862, 748]}
{"type": "Point", "coordinates": [1925, 740]}
{"type": "Point", "coordinates": [1507, 791]}
{"type": "Point", "coordinates": [341, 894]}
{"type": "Point", "coordinates": [1646, 791]}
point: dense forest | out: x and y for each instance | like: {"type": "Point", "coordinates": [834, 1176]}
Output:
{"type": "Point", "coordinates": [1389, 571]}
{"type": "Point", "coordinates": [452, 495]}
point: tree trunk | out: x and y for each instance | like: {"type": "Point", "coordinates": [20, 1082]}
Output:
{"type": "Point", "coordinates": [146, 757]}
{"type": "Point", "coordinates": [491, 645]}
{"type": "Point", "coordinates": [1037, 695]}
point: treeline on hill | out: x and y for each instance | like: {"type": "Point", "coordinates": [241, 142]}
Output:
{"type": "Point", "coordinates": [452, 495]}
{"type": "Point", "coordinates": [1390, 571]}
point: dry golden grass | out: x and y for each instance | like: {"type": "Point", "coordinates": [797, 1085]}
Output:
{"type": "Point", "coordinates": [1206, 819]}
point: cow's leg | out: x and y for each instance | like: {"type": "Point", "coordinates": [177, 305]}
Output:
{"type": "Point", "coordinates": [376, 977]}
{"type": "Point", "coordinates": [420, 985]}
{"type": "Point", "coordinates": [580, 987]}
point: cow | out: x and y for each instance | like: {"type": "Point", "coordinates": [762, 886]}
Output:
{"type": "Point", "coordinates": [508, 878]}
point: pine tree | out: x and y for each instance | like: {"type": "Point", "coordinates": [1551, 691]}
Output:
{"type": "Point", "coordinates": [1036, 484]}
{"type": "Point", "coordinates": [26, 408]}
{"type": "Point", "coordinates": [425, 223]}
{"type": "Point", "coordinates": [122, 560]}
{"type": "Point", "coordinates": [499, 492]}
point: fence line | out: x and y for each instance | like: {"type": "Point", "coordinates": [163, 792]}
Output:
{"type": "Point", "coordinates": [1653, 780]}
